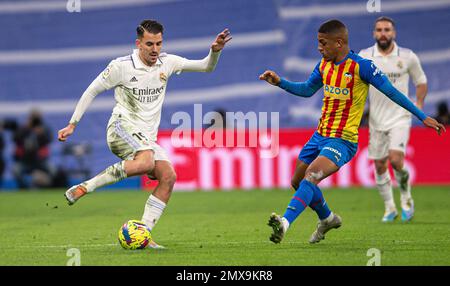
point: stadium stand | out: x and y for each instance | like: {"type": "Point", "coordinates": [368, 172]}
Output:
{"type": "Point", "coordinates": [49, 56]}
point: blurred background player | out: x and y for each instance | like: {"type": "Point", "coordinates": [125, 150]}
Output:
{"type": "Point", "coordinates": [345, 77]}
{"type": "Point", "coordinates": [389, 124]}
{"type": "Point", "coordinates": [140, 82]}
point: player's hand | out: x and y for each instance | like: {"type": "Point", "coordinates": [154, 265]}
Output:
{"type": "Point", "coordinates": [432, 123]}
{"type": "Point", "coordinates": [66, 132]}
{"type": "Point", "coordinates": [271, 77]}
{"type": "Point", "coordinates": [221, 40]}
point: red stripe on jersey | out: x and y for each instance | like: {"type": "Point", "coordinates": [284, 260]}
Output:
{"type": "Point", "coordinates": [339, 75]}
{"type": "Point", "coordinates": [332, 115]}
{"type": "Point", "coordinates": [322, 67]}
{"type": "Point", "coordinates": [330, 74]}
{"type": "Point", "coordinates": [322, 118]}
{"type": "Point", "coordinates": [349, 102]}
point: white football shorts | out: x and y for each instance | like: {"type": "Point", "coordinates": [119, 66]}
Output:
{"type": "Point", "coordinates": [125, 139]}
{"type": "Point", "coordinates": [380, 142]}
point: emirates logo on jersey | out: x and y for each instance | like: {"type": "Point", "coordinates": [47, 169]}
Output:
{"type": "Point", "coordinates": [162, 77]}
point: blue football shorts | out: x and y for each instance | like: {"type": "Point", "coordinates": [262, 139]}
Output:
{"type": "Point", "coordinates": [338, 150]}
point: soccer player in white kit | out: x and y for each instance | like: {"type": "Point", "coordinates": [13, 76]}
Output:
{"type": "Point", "coordinates": [139, 81]}
{"type": "Point", "coordinates": [389, 124]}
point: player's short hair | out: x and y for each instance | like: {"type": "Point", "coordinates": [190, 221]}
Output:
{"type": "Point", "coordinates": [384, 19]}
{"type": "Point", "coordinates": [151, 26]}
{"type": "Point", "coordinates": [332, 27]}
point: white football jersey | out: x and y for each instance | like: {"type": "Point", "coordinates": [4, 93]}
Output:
{"type": "Point", "coordinates": [139, 90]}
{"type": "Point", "coordinates": [398, 66]}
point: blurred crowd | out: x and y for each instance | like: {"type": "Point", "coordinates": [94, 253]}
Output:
{"type": "Point", "coordinates": [31, 166]}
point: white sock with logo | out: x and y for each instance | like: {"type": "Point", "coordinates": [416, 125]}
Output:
{"type": "Point", "coordinates": [110, 175]}
{"type": "Point", "coordinates": [154, 208]}
{"type": "Point", "coordinates": [384, 186]}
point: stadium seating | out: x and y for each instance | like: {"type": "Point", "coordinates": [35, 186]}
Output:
{"type": "Point", "coordinates": [48, 56]}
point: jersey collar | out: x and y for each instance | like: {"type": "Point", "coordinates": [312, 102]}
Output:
{"type": "Point", "coordinates": [346, 57]}
{"type": "Point", "coordinates": [376, 52]}
{"type": "Point", "coordinates": [138, 64]}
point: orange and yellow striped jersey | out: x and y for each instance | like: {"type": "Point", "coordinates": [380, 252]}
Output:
{"type": "Point", "coordinates": [345, 95]}
{"type": "Point", "coordinates": [346, 85]}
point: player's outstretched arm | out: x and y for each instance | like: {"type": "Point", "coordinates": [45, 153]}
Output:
{"type": "Point", "coordinates": [208, 64]}
{"type": "Point", "coordinates": [303, 89]}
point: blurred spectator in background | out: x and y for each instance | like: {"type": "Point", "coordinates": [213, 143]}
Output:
{"type": "Point", "coordinates": [5, 125]}
{"type": "Point", "coordinates": [442, 115]}
{"type": "Point", "coordinates": [31, 153]}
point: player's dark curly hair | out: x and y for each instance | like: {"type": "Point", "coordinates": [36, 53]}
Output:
{"type": "Point", "coordinates": [151, 26]}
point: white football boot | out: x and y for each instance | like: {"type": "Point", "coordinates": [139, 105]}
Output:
{"type": "Point", "coordinates": [74, 194]}
{"type": "Point", "coordinates": [323, 227]}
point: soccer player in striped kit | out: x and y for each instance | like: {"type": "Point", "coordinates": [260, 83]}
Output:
{"type": "Point", "coordinates": [345, 77]}
{"type": "Point", "coordinates": [389, 124]}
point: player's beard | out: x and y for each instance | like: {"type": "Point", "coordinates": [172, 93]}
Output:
{"type": "Point", "coordinates": [385, 44]}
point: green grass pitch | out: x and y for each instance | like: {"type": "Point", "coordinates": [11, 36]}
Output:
{"type": "Point", "coordinates": [221, 228]}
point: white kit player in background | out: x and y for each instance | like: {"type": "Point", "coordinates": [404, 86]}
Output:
{"type": "Point", "coordinates": [389, 124]}
{"type": "Point", "coordinates": [140, 82]}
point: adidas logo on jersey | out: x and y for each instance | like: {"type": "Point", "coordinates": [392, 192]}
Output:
{"type": "Point", "coordinates": [133, 79]}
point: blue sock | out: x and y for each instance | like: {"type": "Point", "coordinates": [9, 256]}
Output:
{"type": "Point", "coordinates": [318, 203]}
{"type": "Point", "coordinates": [302, 198]}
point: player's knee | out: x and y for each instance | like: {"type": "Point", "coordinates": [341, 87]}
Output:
{"type": "Point", "coordinates": [145, 166]}
{"type": "Point", "coordinates": [380, 166]}
{"type": "Point", "coordinates": [396, 162]}
{"type": "Point", "coordinates": [169, 178]}
{"type": "Point", "coordinates": [314, 176]}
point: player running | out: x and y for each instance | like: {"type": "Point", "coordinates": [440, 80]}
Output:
{"type": "Point", "coordinates": [389, 124]}
{"type": "Point", "coordinates": [140, 82]}
{"type": "Point", "coordinates": [345, 77]}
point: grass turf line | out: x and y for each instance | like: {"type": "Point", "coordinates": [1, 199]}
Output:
{"type": "Point", "coordinates": [221, 228]}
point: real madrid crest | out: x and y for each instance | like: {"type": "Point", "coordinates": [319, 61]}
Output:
{"type": "Point", "coordinates": [400, 64]}
{"type": "Point", "coordinates": [162, 77]}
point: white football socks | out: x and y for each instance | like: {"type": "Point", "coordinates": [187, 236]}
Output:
{"type": "Point", "coordinates": [402, 178]}
{"type": "Point", "coordinates": [384, 186]}
{"type": "Point", "coordinates": [109, 176]}
{"type": "Point", "coordinates": [154, 208]}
